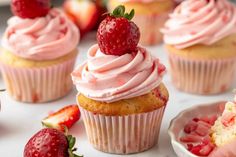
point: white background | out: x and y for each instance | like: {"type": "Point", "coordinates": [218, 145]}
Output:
{"type": "Point", "coordinates": [19, 121]}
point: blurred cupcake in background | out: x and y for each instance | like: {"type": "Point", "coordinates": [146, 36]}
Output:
{"type": "Point", "coordinates": [200, 39]}
{"type": "Point", "coordinates": [39, 49]}
{"type": "Point", "coordinates": [150, 16]}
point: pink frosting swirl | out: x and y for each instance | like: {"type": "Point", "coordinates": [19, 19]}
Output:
{"type": "Point", "coordinates": [109, 78]}
{"type": "Point", "coordinates": [42, 38]}
{"type": "Point", "coordinates": [200, 22]}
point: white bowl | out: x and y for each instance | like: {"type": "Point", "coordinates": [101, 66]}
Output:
{"type": "Point", "coordinates": [177, 124]}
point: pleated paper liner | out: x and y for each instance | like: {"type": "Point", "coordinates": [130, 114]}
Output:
{"type": "Point", "coordinates": [202, 76]}
{"type": "Point", "coordinates": [123, 134]}
{"type": "Point", "coordinates": [38, 84]}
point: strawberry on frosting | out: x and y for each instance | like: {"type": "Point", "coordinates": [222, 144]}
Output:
{"type": "Point", "coordinates": [117, 68]}
{"type": "Point", "coordinates": [41, 38]}
{"type": "Point", "coordinates": [200, 22]}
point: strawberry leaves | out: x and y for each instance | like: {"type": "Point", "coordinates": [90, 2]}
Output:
{"type": "Point", "coordinates": [120, 12]}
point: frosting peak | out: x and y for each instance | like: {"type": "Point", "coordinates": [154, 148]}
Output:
{"type": "Point", "coordinates": [42, 38]}
{"type": "Point", "coordinates": [200, 22]}
{"type": "Point", "coordinates": [111, 78]}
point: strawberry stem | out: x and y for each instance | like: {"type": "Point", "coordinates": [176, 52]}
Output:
{"type": "Point", "coordinates": [119, 11]}
{"type": "Point", "coordinates": [71, 142]}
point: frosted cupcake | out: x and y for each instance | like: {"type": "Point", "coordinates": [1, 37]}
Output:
{"type": "Point", "coordinates": [200, 38]}
{"type": "Point", "coordinates": [38, 54]}
{"type": "Point", "coordinates": [121, 95]}
{"type": "Point", "coordinates": [150, 16]}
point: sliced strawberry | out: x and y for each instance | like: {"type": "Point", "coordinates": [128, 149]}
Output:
{"type": "Point", "coordinates": [206, 150]}
{"type": "Point", "coordinates": [202, 130]}
{"type": "Point", "coordinates": [65, 117]}
{"type": "Point", "coordinates": [196, 150]}
{"type": "Point", "coordinates": [191, 126]}
{"type": "Point", "coordinates": [191, 138]}
{"type": "Point", "coordinates": [204, 123]}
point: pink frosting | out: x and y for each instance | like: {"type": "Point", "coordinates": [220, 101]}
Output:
{"type": "Point", "coordinates": [200, 22]}
{"type": "Point", "coordinates": [109, 78]}
{"type": "Point", "coordinates": [41, 38]}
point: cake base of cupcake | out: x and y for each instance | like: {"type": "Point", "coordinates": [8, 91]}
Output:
{"type": "Point", "coordinates": [123, 134]}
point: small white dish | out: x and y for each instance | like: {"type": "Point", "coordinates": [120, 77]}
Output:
{"type": "Point", "coordinates": [177, 124]}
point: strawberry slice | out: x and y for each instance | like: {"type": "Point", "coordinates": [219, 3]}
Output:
{"type": "Point", "coordinates": [191, 126]}
{"type": "Point", "coordinates": [202, 130]}
{"type": "Point", "coordinates": [191, 138]}
{"type": "Point", "coordinates": [65, 117]}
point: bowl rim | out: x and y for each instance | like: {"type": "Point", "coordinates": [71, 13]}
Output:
{"type": "Point", "coordinates": [179, 116]}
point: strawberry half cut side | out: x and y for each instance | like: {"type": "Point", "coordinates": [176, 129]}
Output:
{"type": "Point", "coordinates": [65, 117]}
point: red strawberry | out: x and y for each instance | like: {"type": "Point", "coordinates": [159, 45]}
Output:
{"type": "Point", "coordinates": [50, 142]}
{"type": "Point", "coordinates": [191, 138]}
{"type": "Point", "coordinates": [84, 13]}
{"type": "Point", "coordinates": [191, 126]}
{"type": "Point", "coordinates": [30, 8]}
{"type": "Point", "coordinates": [65, 117]}
{"type": "Point", "coordinates": [117, 35]}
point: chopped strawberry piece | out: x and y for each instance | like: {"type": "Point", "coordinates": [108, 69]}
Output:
{"type": "Point", "coordinates": [197, 136]}
{"type": "Point", "coordinates": [206, 150]}
{"type": "Point", "coordinates": [206, 140]}
{"type": "Point", "coordinates": [204, 123]}
{"type": "Point", "coordinates": [190, 146]}
{"type": "Point", "coordinates": [202, 130]}
{"type": "Point", "coordinates": [195, 119]}
{"type": "Point", "coordinates": [204, 119]}
{"type": "Point", "coordinates": [196, 150]}
{"type": "Point", "coordinates": [191, 126]}
{"type": "Point", "coordinates": [65, 117]}
{"type": "Point", "coordinates": [191, 138]}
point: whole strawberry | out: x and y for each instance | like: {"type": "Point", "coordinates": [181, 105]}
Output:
{"type": "Point", "coordinates": [30, 8]}
{"type": "Point", "coordinates": [117, 35]}
{"type": "Point", "coordinates": [50, 143]}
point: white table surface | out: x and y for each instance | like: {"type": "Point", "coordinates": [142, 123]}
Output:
{"type": "Point", "coordinates": [19, 121]}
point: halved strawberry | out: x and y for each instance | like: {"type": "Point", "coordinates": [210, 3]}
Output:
{"type": "Point", "coordinates": [65, 117]}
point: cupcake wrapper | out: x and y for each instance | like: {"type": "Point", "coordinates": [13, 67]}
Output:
{"type": "Point", "coordinates": [123, 134]}
{"type": "Point", "coordinates": [150, 26]}
{"type": "Point", "coordinates": [202, 76]}
{"type": "Point", "coordinates": [38, 84]}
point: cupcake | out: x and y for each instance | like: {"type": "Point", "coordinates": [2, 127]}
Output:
{"type": "Point", "coordinates": [223, 132]}
{"type": "Point", "coordinates": [200, 39]}
{"type": "Point", "coordinates": [39, 49]}
{"type": "Point", "coordinates": [121, 95]}
{"type": "Point", "coordinates": [150, 16]}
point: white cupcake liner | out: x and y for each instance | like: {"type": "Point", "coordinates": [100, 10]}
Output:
{"type": "Point", "coordinates": [150, 26]}
{"type": "Point", "coordinates": [38, 84]}
{"type": "Point", "coordinates": [202, 76]}
{"type": "Point", "coordinates": [123, 134]}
